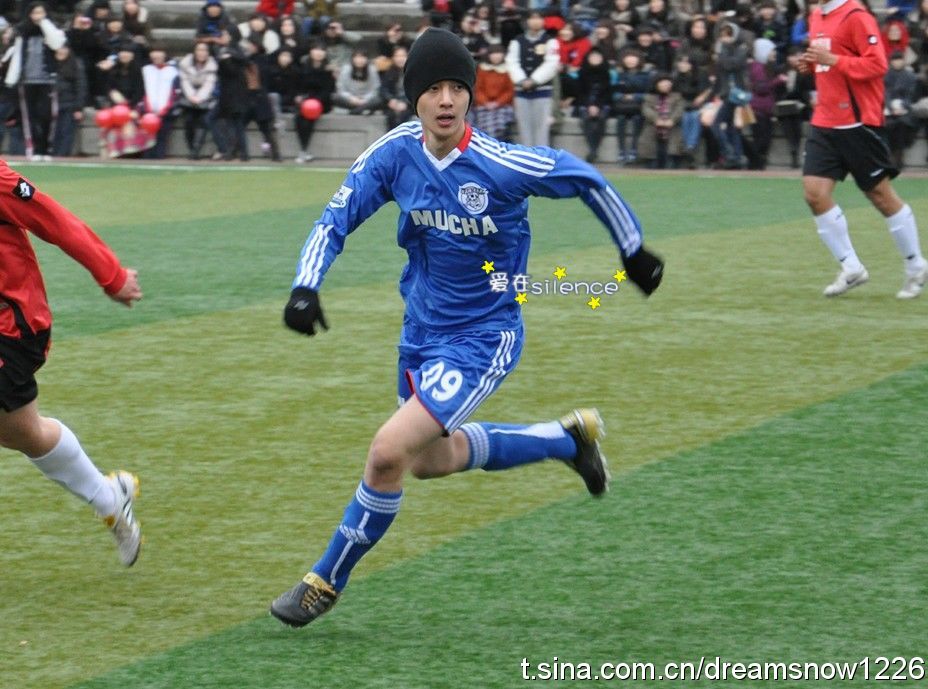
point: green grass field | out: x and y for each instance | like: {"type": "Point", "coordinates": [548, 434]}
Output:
{"type": "Point", "coordinates": [768, 451]}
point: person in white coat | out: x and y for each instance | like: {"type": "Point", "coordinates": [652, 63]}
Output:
{"type": "Point", "coordinates": [32, 72]}
{"type": "Point", "coordinates": [533, 60]}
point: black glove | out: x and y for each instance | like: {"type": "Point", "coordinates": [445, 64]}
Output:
{"type": "Point", "coordinates": [303, 311]}
{"type": "Point", "coordinates": [644, 269]}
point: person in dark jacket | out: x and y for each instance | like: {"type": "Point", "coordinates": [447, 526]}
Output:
{"type": "Point", "coordinates": [316, 81]}
{"type": "Point", "coordinates": [124, 81]}
{"type": "Point", "coordinates": [212, 23]}
{"type": "Point", "coordinates": [392, 94]}
{"type": "Point", "coordinates": [233, 102]}
{"type": "Point", "coordinates": [629, 90]}
{"type": "Point", "coordinates": [594, 99]}
{"type": "Point", "coordinates": [71, 90]}
{"type": "Point", "coordinates": [731, 78]}
{"type": "Point", "coordinates": [692, 83]}
{"type": "Point", "coordinates": [793, 100]}
{"type": "Point", "coordinates": [901, 91]}
{"type": "Point", "coordinates": [283, 83]}
{"type": "Point", "coordinates": [259, 108]}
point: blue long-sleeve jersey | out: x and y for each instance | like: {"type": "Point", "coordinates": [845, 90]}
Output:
{"type": "Point", "coordinates": [456, 213]}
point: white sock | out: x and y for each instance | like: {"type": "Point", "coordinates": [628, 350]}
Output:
{"type": "Point", "coordinates": [68, 465]}
{"type": "Point", "coordinates": [832, 228]}
{"type": "Point", "coordinates": [905, 234]}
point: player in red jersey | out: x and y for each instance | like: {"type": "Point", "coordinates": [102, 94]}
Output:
{"type": "Point", "coordinates": [849, 63]}
{"type": "Point", "coordinates": [25, 331]}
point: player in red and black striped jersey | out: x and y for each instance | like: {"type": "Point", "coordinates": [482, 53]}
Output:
{"type": "Point", "coordinates": [25, 331]}
{"type": "Point", "coordinates": [849, 62]}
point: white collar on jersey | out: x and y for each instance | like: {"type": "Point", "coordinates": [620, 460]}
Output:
{"type": "Point", "coordinates": [832, 5]}
{"type": "Point", "coordinates": [440, 165]}
{"type": "Point", "coordinates": [455, 153]}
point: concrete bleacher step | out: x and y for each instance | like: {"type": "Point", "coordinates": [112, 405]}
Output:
{"type": "Point", "coordinates": [355, 16]}
{"type": "Point", "coordinates": [179, 42]}
{"type": "Point", "coordinates": [340, 138]}
{"type": "Point", "coordinates": [174, 21]}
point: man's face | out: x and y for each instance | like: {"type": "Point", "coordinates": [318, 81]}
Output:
{"type": "Point", "coordinates": [535, 23]}
{"type": "Point", "coordinates": [37, 14]}
{"type": "Point", "coordinates": [442, 108]}
{"type": "Point", "coordinates": [157, 57]}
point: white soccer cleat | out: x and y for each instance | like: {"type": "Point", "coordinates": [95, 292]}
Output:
{"type": "Point", "coordinates": [122, 523]}
{"type": "Point", "coordinates": [913, 284]}
{"type": "Point", "coordinates": [847, 280]}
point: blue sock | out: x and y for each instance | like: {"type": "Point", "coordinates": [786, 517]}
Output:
{"type": "Point", "coordinates": [366, 520]}
{"type": "Point", "coordinates": [498, 446]}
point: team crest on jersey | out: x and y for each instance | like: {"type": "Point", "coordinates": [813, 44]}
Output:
{"type": "Point", "coordinates": [24, 190]}
{"type": "Point", "coordinates": [473, 197]}
{"type": "Point", "coordinates": [872, 40]}
{"type": "Point", "coordinates": [340, 200]}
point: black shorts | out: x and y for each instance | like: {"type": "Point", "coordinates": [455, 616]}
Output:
{"type": "Point", "coordinates": [19, 360]}
{"type": "Point", "coordinates": [862, 151]}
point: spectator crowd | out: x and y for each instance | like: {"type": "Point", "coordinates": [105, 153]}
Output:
{"type": "Point", "coordinates": [679, 83]}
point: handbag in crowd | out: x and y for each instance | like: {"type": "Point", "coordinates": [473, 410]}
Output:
{"type": "Point", "coordinates": [788, 108]}
{"type": "Point", "coordinates": [920, 108]}
{"type": "Point", "coordinates": [738, 96]}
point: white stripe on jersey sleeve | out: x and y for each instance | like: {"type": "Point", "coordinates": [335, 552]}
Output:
{"type": "Point", "coordinates": [312, 257]}
{"type": "Point", "coordinates": [507, 161]}
{"type": "Point", "coordinates": [526, 157]}
{"type": "Point", "coordinates": [413, 129]}
{"type": "Point", "coordinates": [619, 233]}
{"type": "Point", "coordinates": [629, 227]}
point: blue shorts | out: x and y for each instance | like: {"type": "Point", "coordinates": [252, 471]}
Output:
{"type": "Point", "coordinates": [453, 373]}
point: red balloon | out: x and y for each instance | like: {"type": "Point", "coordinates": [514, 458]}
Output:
{"type": "Point", "coordinates": [121, 114]}
{"type": "Point", "coordinates": [104, 118]}
{"type": "Point", "coordinates": [311, 108]}
{"type": "Point", "coordinates": [150, 122]}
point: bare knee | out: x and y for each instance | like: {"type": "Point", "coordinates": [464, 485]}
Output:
{"type": "Point", "coordinates": [885, 199]}
{"type": "Point", "coordinates": [386, 460]}
{"type": "Point", "coordinates": [818, 200]}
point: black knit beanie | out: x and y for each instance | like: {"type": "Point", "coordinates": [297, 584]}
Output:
{"type": "Point", "coordinates": [435, 56]}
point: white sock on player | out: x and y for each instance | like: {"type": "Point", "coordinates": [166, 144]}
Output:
{"type": "Point", "coordinates": [832, 228]}
{"type": "Point", "coordinates": [68, 465]}
{"type": "Point", "coordinates": [905, 234]}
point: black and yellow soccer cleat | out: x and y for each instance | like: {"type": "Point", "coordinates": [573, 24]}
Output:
{"type": "Point", "coordinates": [306, 601]}
{"type": "Point", "coordinates": [586, 427]}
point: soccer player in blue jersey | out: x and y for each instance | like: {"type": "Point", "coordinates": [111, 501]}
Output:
{"type": "Point", "coordinates": [462, 199]}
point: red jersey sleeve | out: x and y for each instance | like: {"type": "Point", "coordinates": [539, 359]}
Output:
{"type": "Point", "coordinates": [869, 60]}
{"type": "Point", "coordinates": [23, 205]}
